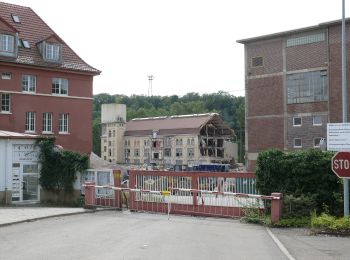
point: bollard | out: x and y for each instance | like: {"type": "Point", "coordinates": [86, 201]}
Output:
{"type": "Point", "coordinates": [89, 195]}
{"type": "Point", "coordinates": [276, 207]}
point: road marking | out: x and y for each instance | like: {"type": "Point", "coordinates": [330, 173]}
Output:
{"type": "Point", "coordinates": [280, 245]}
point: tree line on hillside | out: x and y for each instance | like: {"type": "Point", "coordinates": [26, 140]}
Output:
{"type": "Point", "coordinates": [230, 107]}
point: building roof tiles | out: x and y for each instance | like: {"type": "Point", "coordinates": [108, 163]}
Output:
{"type": "Point", "coordinates": [184, 124]}
{"type": "Point", "coordinates": [33, 29]}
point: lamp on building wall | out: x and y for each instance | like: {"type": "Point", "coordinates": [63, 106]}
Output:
{"type": "Point", "coordinates": [323, 144]}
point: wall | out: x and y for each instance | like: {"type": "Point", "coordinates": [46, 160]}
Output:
{"type": "Point", "coordinates": [268, 116]}
{"type": "Point", "coordinates": [78, 104]}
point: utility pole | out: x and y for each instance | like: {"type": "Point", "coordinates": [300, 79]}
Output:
{"type": "Point", "coordinates": [150, 79]}
{"type": "Point", "coordinates": [344, 102]}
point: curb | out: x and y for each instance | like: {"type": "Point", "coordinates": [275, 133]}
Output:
{"type": "Point", "coordinates": [45, 217]}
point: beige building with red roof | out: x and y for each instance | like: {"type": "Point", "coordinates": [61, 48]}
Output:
{"type": "Point", "coordinates": [183, 140]}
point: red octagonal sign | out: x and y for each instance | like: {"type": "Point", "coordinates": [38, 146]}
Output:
{"type": "Point", "coordinates": [341, 164]}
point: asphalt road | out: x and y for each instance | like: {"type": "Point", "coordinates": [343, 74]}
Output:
{"type": "Point", "coordinates": [123, 235]}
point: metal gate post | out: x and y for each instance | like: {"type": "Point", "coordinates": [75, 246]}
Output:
{"type": "Point", "coordinates": [276, 207]}
{"type": "Point", "coordinates": [194, 184]}
{"type": "Point", "coordinates": [117, 193]}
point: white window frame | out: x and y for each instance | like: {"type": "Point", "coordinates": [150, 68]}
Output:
{"type": "Point", "coordinates": [5, 103]}
{"type": "Point", "coordinates": [47, 123]}
{"type": "Point", "coordinates": [64, 123]}
{"type": "Point", "coordinates": [190, 152]}
{"type": "Point", "coordinates": [29, 83]}
{"type": "Point", "coordinates": [301, 121]}
{"type": "Point", "coordinates": [313, 120]}
{"type": "Point", "coordinates": [52, 51]}
{"type": "Point", "coordinates": [30, 122]}
{"type": "Point", "coordinates": [6, 75]}
{"type": "Point", "coordinates": [178, 152]}
{"type": "Point", "coordinates": [59, 87]}
{"type": "Point", "coordinates": [167, 152]}
{"type": "Point", "coordinates": [297, 146]}
{"type": "Point", "coordinates": [7, 43]}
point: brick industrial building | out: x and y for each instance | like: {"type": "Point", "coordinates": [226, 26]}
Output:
{"type": "Point", "coordinates": [45, 87]}
{"type": "Point", "coordinates": [293, 88]}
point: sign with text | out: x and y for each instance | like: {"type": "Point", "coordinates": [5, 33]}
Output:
{"type": "Point", "coordinates": [338, 137]}
{"type": "Point", "coordinates": [341, 164]}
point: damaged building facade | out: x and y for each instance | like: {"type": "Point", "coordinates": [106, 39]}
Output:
{"type": "Point", "coordinates": [182, 140]}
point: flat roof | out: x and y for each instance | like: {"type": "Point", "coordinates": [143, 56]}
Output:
{"type": "Point", "coordinates": [294, 31]}
{"type": "Point", "coordinates": [14, 135]}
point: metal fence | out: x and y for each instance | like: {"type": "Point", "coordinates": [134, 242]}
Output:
{"type": "Point", "coordinates": [184, 201]}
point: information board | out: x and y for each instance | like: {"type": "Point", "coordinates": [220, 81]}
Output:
{"type": "Point", "coordinates": [338, 137]}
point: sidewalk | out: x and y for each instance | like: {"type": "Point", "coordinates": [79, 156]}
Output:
{"type": "Point", "coordinates": [302, 245]}
{"type": "Point", "coordinates": [13, 215]}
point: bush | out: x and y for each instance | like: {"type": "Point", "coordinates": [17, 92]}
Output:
{"type": "Point", "coordinates": [302, 174]}
{"type": "Point", "coordinates": [328, 222]}
{"type": "Point", "coordinates": [298, 207]}
{"type": "Point", "coordinates": [59, 167]}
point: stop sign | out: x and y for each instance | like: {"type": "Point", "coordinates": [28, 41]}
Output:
{"type": "Point", "coordinates": [341, 164]}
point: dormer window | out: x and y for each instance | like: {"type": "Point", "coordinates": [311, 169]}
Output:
{"type": "Point", "coordinates": [7, 46]}
{"type": "Point", "coordinates": [52, 52]}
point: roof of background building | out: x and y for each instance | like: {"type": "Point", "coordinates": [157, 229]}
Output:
{"type": "Point", "coordinates": [179, 124]}
{"type": "Point", "coordinates": [14, 135]}
{"type": "Point", "coordinates": [34, 30]}
{"type": "Point", "coordinates": [295, 31]}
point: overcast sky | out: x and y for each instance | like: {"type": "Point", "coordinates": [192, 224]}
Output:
{"type": "Point", "coordinates": [188, 45]}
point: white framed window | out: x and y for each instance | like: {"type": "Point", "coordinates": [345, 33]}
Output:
{"type": "Point", "coordinates": [190, 152]}
{"type": "Point", "coordinates": [52, 52]}
{"type": "Point", "coordinates": [317, 120]}
{"type": "Point", "coordinates": [178, 141]}
{"type": "Point", "coordinates": [137, 152]}
{"type": "Point", "coordinates": [7, 43]}
{"type": "Point", "coordinates": [317, 142]}
{"type": "Point", "coordinates": [5, 103]}
{"type": "Point", "coordinates": [47, 122]}
{"type": "Point", "coordinates": [297, 121]}
{"type": "Point", "coordinates": [28, 83]}
{"type": "Point", "coordinates": [297, 143]}
{"type": "Point", "coordinates": [167, 152]}
{"type": "Point", "coordinates": [59, 86]}
{"type": "Point", "coordinates": [6, 75]}
{"type": "Point", "coordinates": [63, 123]}
{"type": "Point", "coordinates": [30, 122]}
{"type": "Point", "coordinates": [146, 153]}
{"type": "Point", "coordinates": [178, 152]}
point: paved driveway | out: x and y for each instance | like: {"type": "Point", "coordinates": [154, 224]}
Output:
{"type": "Point", "coordinates": [124, 235]}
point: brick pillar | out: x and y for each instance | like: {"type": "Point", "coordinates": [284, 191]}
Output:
{"type": "Point", "coordinates": [276, 207]}
{"type": "Point", "coordinates": [89, 195]}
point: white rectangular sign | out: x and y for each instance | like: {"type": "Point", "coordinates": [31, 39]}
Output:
{"type": "Point", "coordinates": [338, 136]}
